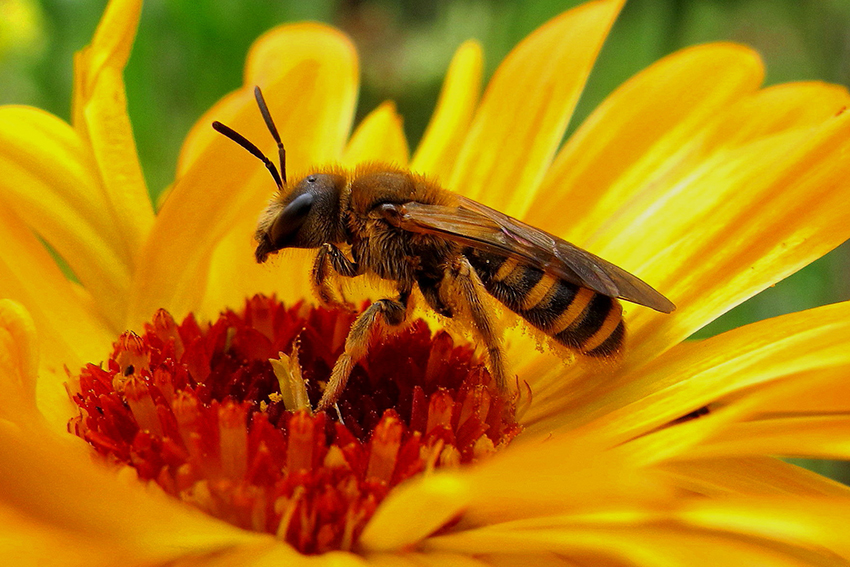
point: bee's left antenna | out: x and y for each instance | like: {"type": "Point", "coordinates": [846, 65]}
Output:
{"type": "Point", "coordinates": [264, 110]}
{"type": "Point", "coordinates": [252, 149]}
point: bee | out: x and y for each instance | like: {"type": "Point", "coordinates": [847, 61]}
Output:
{"type": "Point", "coordinates": [399, 226]}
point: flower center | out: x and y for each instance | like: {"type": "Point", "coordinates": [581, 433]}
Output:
{"type": "Point", "coordinates": [218, 416]}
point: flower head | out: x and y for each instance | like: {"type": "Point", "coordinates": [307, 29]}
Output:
{"type": "Point", "coordinates": [689, 175]}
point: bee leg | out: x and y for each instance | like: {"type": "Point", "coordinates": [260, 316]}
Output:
{"type": "Point", "coordinates": [430, 288]}
{"type": "Point", "coordinates": [470, 287]}
{"type": "Point", "coordinates": [331, 258]}
{"type": "Point", "coordinates": [393, 312]}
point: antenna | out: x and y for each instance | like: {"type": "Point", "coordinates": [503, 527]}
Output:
{"type": "Point", "coordinates": [254, 150]}
{"type": "Point", "coordinates": [264, 110]}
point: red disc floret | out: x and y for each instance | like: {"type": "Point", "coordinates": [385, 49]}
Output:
{"type": "Point", "coordinates": [198, 410]}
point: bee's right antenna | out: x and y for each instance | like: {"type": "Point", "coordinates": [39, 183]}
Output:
{"type": "Point", "coordinates": [261, 102]}
{"type": "Point", "coordinates": [252, 149]}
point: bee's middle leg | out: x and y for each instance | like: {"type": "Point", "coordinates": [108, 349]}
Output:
{"type": "Point", "coordinates": [331, 259]}
{"type": "Point", "coordinates": [393, 312]}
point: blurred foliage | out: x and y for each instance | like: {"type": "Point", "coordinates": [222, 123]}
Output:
{"type": "Point", "coordinates": [190, 52]}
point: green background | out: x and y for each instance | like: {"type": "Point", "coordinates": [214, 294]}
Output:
{"type": "Point", "coordinates": [190, 52]}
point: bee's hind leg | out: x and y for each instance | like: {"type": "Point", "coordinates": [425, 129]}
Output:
{"type": "Point", "coordinates": [471, 289]}
{"type": "Point", "coordinates": [393, 312]}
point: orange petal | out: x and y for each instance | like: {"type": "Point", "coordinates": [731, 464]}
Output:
{"type": "Point", "coordinates": [526, 108]}
{"type": "Point", "coordinates": [380, 137]}
{"type": "Point", "coordinates": [447, 129]}
{"type": "Point", "coordinates": [640, 124]}
{"type": "Point", "coordinates": [225, 188]}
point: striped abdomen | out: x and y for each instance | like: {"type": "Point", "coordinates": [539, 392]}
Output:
{"type": "Point", "coordinates": [576, 317]}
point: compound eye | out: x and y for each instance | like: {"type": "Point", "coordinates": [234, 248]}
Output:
{"type": "Point", "coordinates": [290, 220]}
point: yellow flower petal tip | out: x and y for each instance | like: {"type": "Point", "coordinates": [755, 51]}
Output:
{"type": "Point", "coordinates": [380, 137]}
{"type": "Point", "coordinates": [116, 32]}
{"type": "Point", "coordinates": [18, 357]}
{"type": "Point", "coordinates": [414, 511]}
{"type": "Point", "coordinates": [526, 108]}
{"type": "Point", "coordinates": [437, 152]}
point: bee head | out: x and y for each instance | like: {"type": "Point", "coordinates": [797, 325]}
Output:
{"type": "Point", "coordinates": [302, 215]}
{"type": "Point", "coordinates": [306, 216]}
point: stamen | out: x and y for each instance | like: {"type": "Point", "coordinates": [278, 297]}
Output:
{"type": "Point", "coordinates": [218, 417]}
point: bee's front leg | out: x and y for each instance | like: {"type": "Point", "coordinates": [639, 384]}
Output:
{"type": "Point", "coordinates": [393, 312]}
{"type": "Point", "coordinates": [332, 259]}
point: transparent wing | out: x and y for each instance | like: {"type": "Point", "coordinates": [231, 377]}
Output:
{"type": "Point", "coordinates": [483, 228]}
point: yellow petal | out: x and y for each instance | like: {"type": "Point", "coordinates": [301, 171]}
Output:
{"type": "Point", "coordinates": [671, 160]}
{"type": "Point", "coordinates": [112, 41]}
{"type": "Point", "coordinates": [225, 188]}
{"type": "Point", "coordinates": [201, 134]}
{"type": "Point", "coordinates": [413, 511]}
{"type": "Point", "coordinates": [815, 523]}
{"type": "Point", "coordinates": [435, 559]}
{"type": "Point", "coordinates": [508, 486]}
{"type": "Point", "coordinates": [770, 111]}
{"type": "Point", "coordinates": [805, 414]}
{"type": "Point", "coordinates": [51, 182]}
{"type": "Point", "coordinates": [380, 137]}
{"type": "Point", "coordinates": [100, 117]}
{"type": "Point", "coordinates": [818, 436]}
{"type": "Point", "coordinates": [234, 275]}
{"type": "Point", "coordinates": [107, 128]}
{"type": "Point", "coordinates": [18, 361]}
{"type": "Point", "coordinates": [52, 480]}
{"type": "Point", "coordinates": [26, 542]}
{"type": "Point", "coordinates": [67, 332]}
{"type": "Point", "coordinates": [447, 129]}
{"type": "Point", "coordinates": [268, 553]}
{"type": "Point", "coordinates": [699, 373]}
{"type": "Point", "coordinates": [763, 212]}
{"type": "Point", "coordinates": [526, 107]}
{"type": "Point", "coordinates": [643, 545]}
{"type": "Point", "coordinates": [750, 476]}
{"type": "Point", "coordinates": [325, 122]}
{"type": "Point", "coordinates": [643, 121]}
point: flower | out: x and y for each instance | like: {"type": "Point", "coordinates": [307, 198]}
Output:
{"type": "Point", "coordinates": [689, 175]}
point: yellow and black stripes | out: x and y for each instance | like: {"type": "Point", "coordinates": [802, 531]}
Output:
{"type": "Point", "coordinates": [574, 316]}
